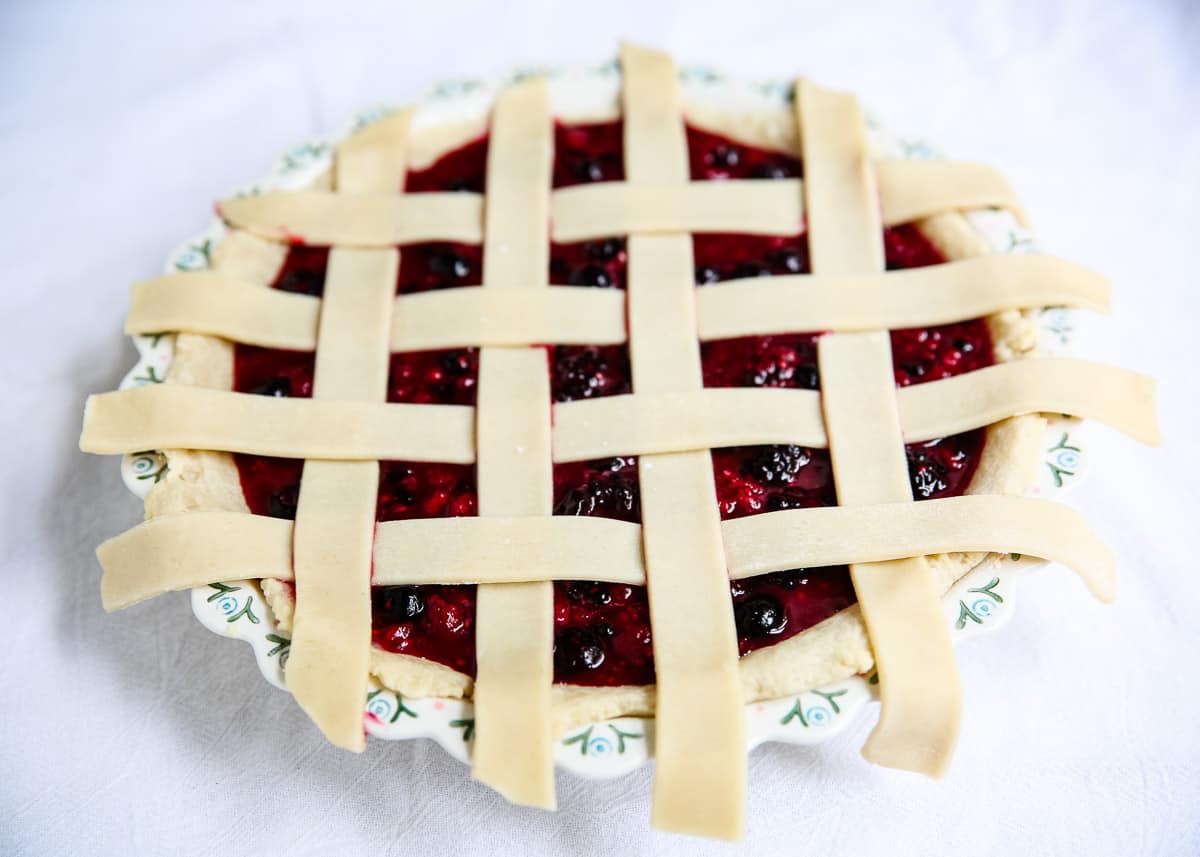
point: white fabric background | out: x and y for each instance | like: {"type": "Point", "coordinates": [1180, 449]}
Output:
{"type": "Point", "coordinates": [142, 733]}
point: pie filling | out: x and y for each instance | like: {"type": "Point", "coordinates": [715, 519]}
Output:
{"type": "Point", "coordinates": [602, 630]}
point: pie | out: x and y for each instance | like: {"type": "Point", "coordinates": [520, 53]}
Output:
{"type": "Point", "coordinates": [579, 409]}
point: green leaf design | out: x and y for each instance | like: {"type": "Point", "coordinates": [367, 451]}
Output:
{"type": "Point", "coordinates": [245, 611]}
{"type": "Point", "coordinates": [989, 590]}
{"type": "Point", "coordinates": [151, 377]}
{"type": "Point", "coordinates": [965, 613]}
{"type": "Point", "coordinates": [222, 589]}
{"type": "Point", "coordinates": [401, 708]}
{"type": "Point", "coordinates": [796, 712]}
{"type": "Point", "coordinates": [1056, 471]}
{"type": "Point", "coordinates": [622, 736]}
{"type": "Point", "coordinates": [467, 725]}
{"type": "Point", "coordinates": [282, 645]}
{"type": "Point", "coordinates": [581, 739]}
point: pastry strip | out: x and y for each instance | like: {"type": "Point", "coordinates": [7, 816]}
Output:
{"type": "Point", "coordinates": [702, 419]}
{"type": "Point", "coordinates": [169, 416]}
{"type": "Point", "coordinates": [838, 535]}
{"type": "Point", "coordinates": [909, 190]}
{"type": "Point", "coordinates": [1060, 385]}
{"type": "Point", "coordinates": [248, 258]}
{"type": "Point", "coordinates": [748, 206]}
{"type": "Point", "coordinates": [508, 549]}
{"type": "Point", "coordinates": [742, 416]}
{"type": "Point", "coordinates": [209, 303]}
{"type": "Point", "coordinates": [940, 294]}
{"type": "Point", "coordinates": [357, 219]}
{"type": "Point", "coordinates": [919, 686]}
{"type": "Point", "coordinates": [193, 549]}
{"type": "Point", "coordinates": [179, 417]}
{"type": "Point", "coordinates": [514, 622]}
{"type": "Point", "coordinates": [698, 692]}
{"type": "Point", "coordinates": [515, 317]}
{"type": "Point", "coordinates": [334, 533]}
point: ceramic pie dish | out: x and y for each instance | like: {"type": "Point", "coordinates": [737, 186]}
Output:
{"type": "Point", "coordinates": [571, 446]}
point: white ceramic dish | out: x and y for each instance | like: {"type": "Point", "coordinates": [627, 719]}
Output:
{"type": "Point", "coordinates": [980, 602]}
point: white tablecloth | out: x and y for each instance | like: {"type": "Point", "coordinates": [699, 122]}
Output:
{"type": "Point", "coordinates": [142, 733]}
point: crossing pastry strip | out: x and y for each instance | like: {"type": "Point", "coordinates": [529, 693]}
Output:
{"type": "Point", "coordinates": [211, 303]}
{"type": "Point", "coordinates": [735, 416]}
{"type": "Point", "coordinates": [334, 532]}
{"type": "Point", "coordinates": [373, 159]}
{"type": "Point", "coordinates": [698, 692]}
{"type": "Point", "coordinates": [954, 291]}
{"type": "Point", "coordinates": [358, 219]}
{"type": "Point", "coordinates": [248, 259]}
{"type": "Point", "coordinates": [704, 418]}
{"type": "Point", "coordinates": [1059, 385]}
{"type": "Point", "coordinates": [518, 316]}
{"type": "Point", "coordinates": [508, 549]}
{"type": "Point", "coordinates": [837, 535]}
{"type": "Point", "coordinates": [909, 190]}
{"type": "Point", "coordinates": [179, 417]}
{"type": "Point", "coordinates": [168, 416]}
{"type": "Point", "coordinates": [196, 548]}
{"type": "Point", "coordinates": [919, 686]}
{"type": "Point", "coordinates": [622, 208]}
{"type": "Point", "coordinates": [514, 623]}
{"type": "Point", "coordinates": [207, 302]}
{"type": "Point", "coordinates": [192, 549]}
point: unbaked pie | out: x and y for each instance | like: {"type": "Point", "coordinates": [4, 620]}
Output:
{"type": "Point", "coordinates": [656, 409]}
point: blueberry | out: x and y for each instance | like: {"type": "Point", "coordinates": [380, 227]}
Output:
{"type": "Point", "coordinates": [586, 372]}
{"type": "Point", "coordinates": [406, 601]}
{"type": "Point", "coordinates": [913, 370]}
{"type": "Point", "coordinates": [282, 504]}
{"type": "Point", "coordinates": [707, 274]}
{"type": "Point", "coordinates": [590, 594]}
{"type": "Point", "coordinates": [724, 157]}
{"type": "Point", "coordinates": [591, 275]}
{"type": "Point", "coordinates": [448, 266]}
{"type": "Point", "coordinates": [605, 495]}
{"type": "Point", "coordinates": [759, 616]}
{"type": "Point", "coordinates": [749, 269]}
{"type": "Point", "coordinates": [777, 464]}
{"type": "Point", "coordinates": [789, 261]}
{"type": "Point", "coordinates": [606, 249]}
{"type": "Point", "coordinates": [769, 170]}
{"type": "Point", "coordinates": [806, 377]}
{"type": "Point", "coordinates": [926, 475]}
{"type": "Point", "coordinates": [591, 170]}
{"type": "Point", "coordinates": [302, 282]}
{"type": "Point", "coordinates": [577, 650]}
{"type": "Point", "coordinates": [280, 388]}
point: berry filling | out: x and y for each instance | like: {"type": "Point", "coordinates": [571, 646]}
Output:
{"type": "Point", "coordinates": [602, 630]}
{"type": "Point", "coordinates": [711, 156]}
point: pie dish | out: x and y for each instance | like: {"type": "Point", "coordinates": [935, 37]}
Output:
{"type": "Point", "coordinates": [613, 375]}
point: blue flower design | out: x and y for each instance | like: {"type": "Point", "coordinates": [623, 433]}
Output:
{"type": "Point", "coordinates": [817, 715]}
{"type": "Point", "coordinates": [599, 746]}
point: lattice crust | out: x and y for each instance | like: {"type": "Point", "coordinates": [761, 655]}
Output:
{"type": "Point", "coordinates": [199, 531]}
